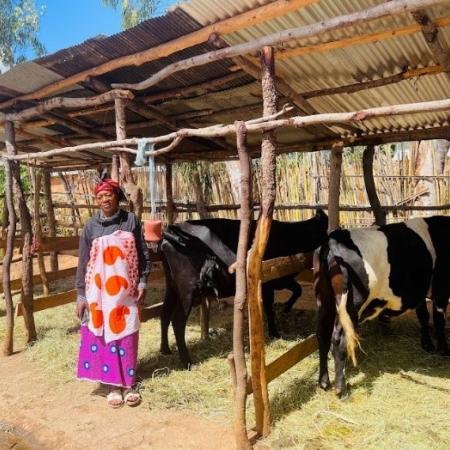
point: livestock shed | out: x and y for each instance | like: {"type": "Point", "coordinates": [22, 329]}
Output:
{"type": "Point", "coordinates": [219, 81]}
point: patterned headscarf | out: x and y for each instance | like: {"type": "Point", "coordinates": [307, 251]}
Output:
{"type": "Point", "coordinates": [110, 186]}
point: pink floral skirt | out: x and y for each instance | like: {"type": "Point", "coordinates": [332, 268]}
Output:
{"type": "Point", "coordinates": [113, 363]}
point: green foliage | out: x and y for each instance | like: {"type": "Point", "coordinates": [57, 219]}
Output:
{"type": "Point", "coordinates": [133, 11]}
{"type": "Point", "coordinates": [19, 25]}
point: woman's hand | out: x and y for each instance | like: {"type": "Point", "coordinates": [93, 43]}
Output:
{"type": "Point", "coordinates": [140, 297]}
{"type": "Point", "coordinates": [81, 306]}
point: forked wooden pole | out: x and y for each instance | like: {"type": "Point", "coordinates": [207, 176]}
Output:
{"type": "Point", "coordinates": [134, 193]}
{"type": "Point", "coordinates": [334, 186]}
{"type": "Point", "coordinates": [257, 351]}
{"type": "Point", "coordinates": [239, 367]}
{"type": "Point", "coordinates": [378, 211]}
{"type": "Point", "coordinates": [26, 231]}
{"type": "Point", "coordinates": [8, 344]}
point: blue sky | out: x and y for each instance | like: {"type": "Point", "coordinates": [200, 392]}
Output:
{"type": "Point", "coordinates": [70, 22]}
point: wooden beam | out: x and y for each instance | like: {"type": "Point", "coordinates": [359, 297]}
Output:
{"type": "Point", "coordinates": [150, 312]}
{"type": "Point", "coordinates": [287, 360]}
{"type": "Point", "coordinates": [263, 125]}
{"type": "Point", "coordinates": [49, 244]}
{"type": "Point", "coordinates": [356, 40]}
{"type": "Point", "coordinates": [230, 25]}
{"type": "Point", "coordinates": [194, 89]}
{"type": "Point", "coordinates": [52, 276]}
{"type": "Point", "coordinates": [285, 265]}
{"type": "Point", "coordinates": [379, 11]}
{"type": "Point", "coordinates": [50, 217]}
{"type": "Point", "coordinates": [370, 84]}
{"type": "Point", "coordinates": [430, 32]}
{"type": "Point", "coordinates": [49, 301]}
{"type": "Point", "coordinates": [170, 209]}
{"type": "Point", "coordinates": [65, 102]}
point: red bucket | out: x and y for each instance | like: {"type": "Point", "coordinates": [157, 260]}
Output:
{"type": "Point", "coordinates": [152, 230]}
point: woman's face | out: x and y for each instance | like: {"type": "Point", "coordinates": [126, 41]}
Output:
{"type": "Point", "coordinates": [108, 202]}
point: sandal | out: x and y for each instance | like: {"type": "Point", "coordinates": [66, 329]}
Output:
{"type": "Point", "coordinates": [114, 398]}
{"type": "Point", "coordinates": [132, 398]}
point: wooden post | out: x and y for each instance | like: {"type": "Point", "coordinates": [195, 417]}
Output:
{"type": "Point", "coordinates": [334, 186]}
{"type": "Point", "coordinates": [38, 229]}
{"type": "Point", "coordinates": [255, 307]}
{"type": "Point", "coordinates": [169, 194]}
{"type": "Point", "coordinates": [26, 230]}
{"type": "Point", "coordinates": [50, 217]}
{"type": "Point", "coordinates": [198, 191]}
{"type": "Point", "coordinates": [8, 344]}
{"type": "Point", "coordinates": [204, 318]}
{"type": "Point", "coordinates": [238, 366]}
{"type": "Point", "coordinates": [134, 193]}
{"type": "Point", "coordinates": [115, 168]}
{"type": "Point", "coordinates": [378, 211]}
{"type": "Point", "coordinates": [71, 202]}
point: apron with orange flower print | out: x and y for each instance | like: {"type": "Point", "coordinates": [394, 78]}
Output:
{"type": "Point", "coordinates": [109, 339]}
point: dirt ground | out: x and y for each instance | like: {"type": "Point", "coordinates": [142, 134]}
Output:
{"type": "Point", "coordinates": [36, 415]}
{"type": "Point", "coordinates": [75, 416]}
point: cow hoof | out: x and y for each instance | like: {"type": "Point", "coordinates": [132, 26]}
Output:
{"type": "Point", "coordinates": [192, 367]}
{"type": "Point", "coordinates": [343, 395]}
{"type": "Point", "coordinates": [165, 351]}
{"type": "Point", "coordinates": [325, 385]}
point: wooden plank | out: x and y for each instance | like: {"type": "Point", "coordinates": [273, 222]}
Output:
{"type": "Point", "coordinates": [285, 265]}
{"type": "Point", "coordinates": [288, 360]}
{"type": "Point", "coordinates": [52, 276]}
{"type": "Point", "coordinates": [151, 312]}
{"type": "Point", "coordinates": [49, 244]}
{"type": "Point", "coordinates": [49, 302]}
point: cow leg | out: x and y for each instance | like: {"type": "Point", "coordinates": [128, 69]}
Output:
{"type": "Point", "coordinates": [296, 290]}
{"type": "Point", "coordinates": [325, 327]}
{"type": "Point", "coordinates": [179, 320]}
{"type": "Point", "coordinates": [340, 354]}
{"type": "Point", "coordinates": [439, 312]}
{"type": "Point", "coordinates": [170, 301]}
{"type": "Point", "coordinates": [268, 301]}
{"type": "Point", "coordinates": [424, 318]}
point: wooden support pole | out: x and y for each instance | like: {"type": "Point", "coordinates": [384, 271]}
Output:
{"type": "Point", "coordinates": [8, 343]}
{"type": "Point", "coordinates": [239, 367]}
{"type": "Point", "coordinates": [71, 202]}
{"type": "Point", "coordinates": [257, 351]}
{"type": "Point", "coordinates": [198, 192]}
{"type": "Point", "coordinates": [170, 207]}
{"type": "Point", "coordinates": [334, 186]}
{"type": "Point", "coordinates": [134, 193]}
{"type": "Point", "coordinates": [50, 217]}
{"type": "Point", "coordinates": [369, 182]}
{"type": "Point", "coordinates": [38, 229]}
{"type": "Point", "coordinates": [26, 231]}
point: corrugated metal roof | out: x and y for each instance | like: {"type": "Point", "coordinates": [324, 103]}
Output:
{"type": "Point", "coordinates": [313, 71]}
{"type": "Point", "coordinates": [349, 65]}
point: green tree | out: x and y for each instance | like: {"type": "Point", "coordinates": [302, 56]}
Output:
{"type": "Point", "coordinates": [19, 25]}
{"type": "Point", "coordinates": [133, 11]}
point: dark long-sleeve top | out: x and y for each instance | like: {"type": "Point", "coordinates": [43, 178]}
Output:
{"type": "Point", "coordinates": [99, 226]}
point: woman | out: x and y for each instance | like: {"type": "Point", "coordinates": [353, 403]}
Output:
{"type": "Point", "coordinates": [113, 267]}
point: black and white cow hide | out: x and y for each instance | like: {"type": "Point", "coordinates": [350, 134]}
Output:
{"type": "Point", "coordinates": [360, 273]}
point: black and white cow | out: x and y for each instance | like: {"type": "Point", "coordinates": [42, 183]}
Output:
{"type": "Point", "coordinates": [197, 254]}
{"type": "Point", "coordinates": [360, 273]}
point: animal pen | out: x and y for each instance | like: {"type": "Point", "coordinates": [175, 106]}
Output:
{"type": "Point", "coordinates": [187, 73]}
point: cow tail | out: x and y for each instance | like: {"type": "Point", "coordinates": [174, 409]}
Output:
{"type": "Point", "coordinates": [340, 286]}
